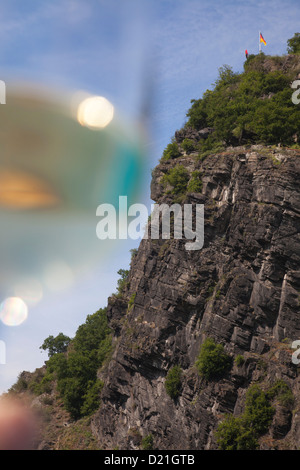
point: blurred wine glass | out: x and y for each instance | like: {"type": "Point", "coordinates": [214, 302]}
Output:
{"type": "Point", "coordinates": [73, 134]}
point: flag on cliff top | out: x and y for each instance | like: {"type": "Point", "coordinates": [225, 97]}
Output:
{"type": "Point", "coordinates": [262, 39]}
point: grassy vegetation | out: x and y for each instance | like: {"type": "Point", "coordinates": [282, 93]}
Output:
{"type": "Point", "coordinates": [239, 360]}
{"type": "Point", "coordinates": [147, 442]}
{"type": "Point", "coordinates": [77, 436]}
{"type": "Point", "coordinates": [282, 392]}
{"type": "Point", "coordinates": [131, 302]}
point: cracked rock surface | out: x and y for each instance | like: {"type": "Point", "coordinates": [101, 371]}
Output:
{"type": "Point", "coordinates": [242, 289]}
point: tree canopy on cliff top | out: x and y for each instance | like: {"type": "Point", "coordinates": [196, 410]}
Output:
{"type": "Point", "coordinates": [254, 106]}
{"type": "Point", "coordinates": [250, 107]}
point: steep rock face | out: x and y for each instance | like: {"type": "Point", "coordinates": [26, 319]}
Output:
{"type": "Point", "coordinates": [241, 289]}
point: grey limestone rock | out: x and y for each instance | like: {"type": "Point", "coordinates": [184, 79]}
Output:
{"type": "Point", "coordinates": [242, 289]}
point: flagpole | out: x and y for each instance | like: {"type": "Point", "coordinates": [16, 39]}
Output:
{"type": "Point", "coordinates": [259, 43]}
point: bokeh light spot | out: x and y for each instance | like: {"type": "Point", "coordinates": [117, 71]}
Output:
{"type": "Point", "coordinates": [30, 290]}
{"type": "Point", "coordinates": [13, 311]}
{"type": "Point", "coordinates": [95, 112]}
{"type": "Point", "coordinates": [58, 276]}
{"type": "Point", "coordinates": [19, 190]}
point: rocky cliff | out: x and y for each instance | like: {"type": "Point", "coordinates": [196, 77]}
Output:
{"type": "Point", "coordinates": [242, 289]}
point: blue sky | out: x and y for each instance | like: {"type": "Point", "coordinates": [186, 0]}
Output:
{"type": "Point", "coordinates": [146, 56]}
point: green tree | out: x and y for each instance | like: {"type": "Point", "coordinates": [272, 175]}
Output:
{"type": "Point", "coordinates": [91, 397]}
{"type": "Point", "coordinates": [249, 107]}
{"type": "Point", "coordinates": [293, 44]}
{"type": "Point", "coordinates": [56, 345]}
{"type": "Point", "coordinates": [226, 76]}
{"type": "Point", "coordinates": [76, 372]}
{"type": "Point", "coordinates": [90, 335]}
{"type": "Point", "coordinates": [197, 114]}
{"type": "Point", "coordinates": [122, 281]}
{"type": "Point", "coordinates": [58, 364]}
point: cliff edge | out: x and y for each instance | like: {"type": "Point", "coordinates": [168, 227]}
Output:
{"type": "Point", "coordinates": [241, 289]}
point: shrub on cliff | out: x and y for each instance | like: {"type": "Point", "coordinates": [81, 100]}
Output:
{"type": "Point", "coordinates": [282, 392]}
{"type": "Point", "coordinates": [242, 433]}
{"type": "Point", "coordinates": [212, 361]}
{"type": "Point", "coordinates": [147, 442]}
{"type": "Point", "coordinates": [232, 434]}
{"type": "Point", "coordinates": [195, 184]}
{"type": "Point", "coordinates": [188, 145]}
{"type": "Point", "coordinates": [178, 178]}
{"type": "Point", "coordinates": [173, 381]}
{"type": "Point", "coordinates": [239, 360]}
{"type": "Point", "coordinates": [171, 151]}
{"type": "Point", "coordinates": [258, 412]}
{"type": "Point", "coordinates": [122, 281]}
